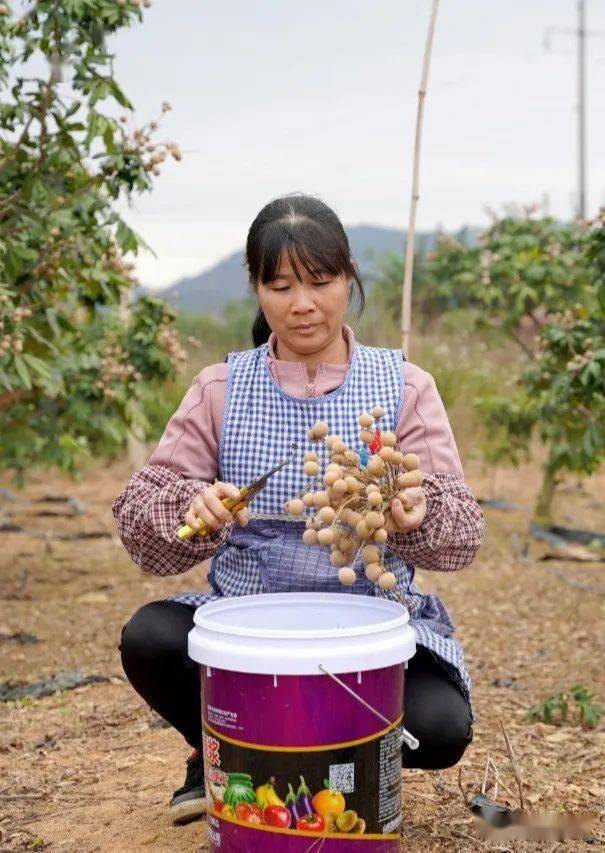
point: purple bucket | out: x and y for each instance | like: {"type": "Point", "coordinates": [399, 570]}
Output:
{"type": "Point", "coordinates": [294, 761]}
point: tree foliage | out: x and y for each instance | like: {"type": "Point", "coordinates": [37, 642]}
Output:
{"type": "Point", "coordinates": [542, 284]}
{"type": "Point", "coordinates": [76, 357]}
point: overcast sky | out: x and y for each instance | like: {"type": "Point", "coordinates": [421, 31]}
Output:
{"type": "Point", "coordinates": [275, 96]}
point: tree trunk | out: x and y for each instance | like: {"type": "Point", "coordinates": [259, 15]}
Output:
{"type": "Point", "coordinates": [543, 508]}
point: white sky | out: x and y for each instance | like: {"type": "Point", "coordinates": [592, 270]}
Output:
{"type": "Point", "coordinates": [274, 96]}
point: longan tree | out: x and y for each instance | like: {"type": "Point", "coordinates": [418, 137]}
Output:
{"type": "Point", "coordinates": [560, 397]}
{"type": "Point", "coordinates": [77, 355]}
{"type": "Point", "coordinates": [540, 283]}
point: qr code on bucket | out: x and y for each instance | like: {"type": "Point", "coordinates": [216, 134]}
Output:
{"type": "Point", "coordinates": [342, 778]}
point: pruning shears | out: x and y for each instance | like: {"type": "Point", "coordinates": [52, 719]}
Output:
{"type": "Point", "coordinates": [246, 494]}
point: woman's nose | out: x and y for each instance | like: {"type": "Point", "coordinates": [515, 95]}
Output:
{"type": "Point", "coordinates": [302, 301]}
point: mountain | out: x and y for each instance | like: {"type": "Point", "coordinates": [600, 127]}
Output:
{"type": "Point", "coordinates": [211, 290]}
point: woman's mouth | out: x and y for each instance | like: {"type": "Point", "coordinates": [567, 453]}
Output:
{"type": "Point", "coordinates": [305, 328]}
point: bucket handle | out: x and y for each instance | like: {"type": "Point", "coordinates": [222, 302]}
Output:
{"type": "Point", "coordinates": [404, 735]}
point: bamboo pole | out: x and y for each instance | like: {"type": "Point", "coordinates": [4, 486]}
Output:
{"type": "Point", "coordinates": [406, 296]}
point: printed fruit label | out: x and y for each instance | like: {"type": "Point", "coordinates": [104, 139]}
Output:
{"type": "Point", "coordinates": [345, 789]}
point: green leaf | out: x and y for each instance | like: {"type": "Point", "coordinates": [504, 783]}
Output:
{"type": "Point", "coordinates": [38, 365]}
{"type": "Point", "coordinates": [23, 372]}
{"type": "Point", "coordinates": [126, 238]}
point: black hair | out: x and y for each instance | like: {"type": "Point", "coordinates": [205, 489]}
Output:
{"type": "Point", "coordinates": [311, 233]}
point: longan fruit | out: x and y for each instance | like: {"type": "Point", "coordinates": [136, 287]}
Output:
{"type": "Point", "coordinates": [354, 517]}
{"type": "Point", "coordinates": [295, 506]}
{"type": "Point", "coordinates": [321, 499]}
{"type": "Point", "coordinates": [310, 537]}
{"type": "Point", "coordinates": [375, 498]}
{"type": "Point", "coordinates": [380, 535]}
{"type": "Point", "coordinates": [311, 456]}
{"type": "Point", "coordinates": [320, 429]}
{"type": "Point", "coordinates": [373, 571]}
{"type": "Point", "coordinates": [387, 581]}
{"type": "Point", "coordinates": [325, 536]}
{"type": "Point", "coordinates": [327, 514]}
{"type": "Point", "coordinates": [398, 457]}
{"type": "Point", "coordinates": [410, 462]}
{"type": "Point", "coordinates": [351, 457]}
{"type": "Point", "coordinates": [389, 439]}
{"type": "Point", "coordinates": [334, 466]}
{"type": "Point", "coordinates": [338, 458]}
{"type": "Point", "coordinates": [337, 558]}
{"type": "Point", "coordinates": [372, 520]}
{"type": "Point", "coordinates": [339, 446]}
{"type": "Point", "coordinates": [330, 478]}
{"type": "Point", "coordinates": [366, 436]}
{"type": "Point", "coordinates": [386, 454]}
{"type": "Point", "coordinates": [365, 420]}
{"type": "Point", "coordinates": [377, 412]}
{"type": "Point", "coordinates": [311, 469]}
{"type": "Point", "coordinates": [409, 479]}
{"type": "Point", "coordinates": [375, 466]}
{"type": "Point", "coordinates": [348, 543]}
{"type": "Point", "coordinates": [339, 486]}
{"type": "Point", "coordinates": [370, 554]}
{"type": "Point", "coordinates": [352, 483]}
{"type": "Point", "coordinates": [347, 576]}
{"type": "Point", "coordinates": [307, 498]}
{"type": "Point", "coordinates": [330, 441]}
{"type": "Point", "coordinates": [362, 530]}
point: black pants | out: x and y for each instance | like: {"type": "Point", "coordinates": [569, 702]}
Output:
{"type": "Point", "coordinates": [155, 659]}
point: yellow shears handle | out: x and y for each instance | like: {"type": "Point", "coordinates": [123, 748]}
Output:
{"type": "Point", "coordinates": [232, 504]}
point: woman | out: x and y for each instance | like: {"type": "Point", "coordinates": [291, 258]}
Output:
{"type": "Point", "coordinates": [231, 425]}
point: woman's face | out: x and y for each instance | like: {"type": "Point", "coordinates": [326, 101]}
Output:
{"type": "Point", "coordinates": [305, 315]}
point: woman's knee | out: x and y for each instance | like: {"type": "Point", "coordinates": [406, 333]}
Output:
{"type": "Point", "coordinates": [438, 715]}
{"type": "Point", "coordinates": [443, 739]}
{"type": "Point", "coordinates": [156, 631]}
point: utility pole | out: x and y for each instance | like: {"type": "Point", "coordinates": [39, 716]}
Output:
{"type": "Point", "coordinates": [580, 33]}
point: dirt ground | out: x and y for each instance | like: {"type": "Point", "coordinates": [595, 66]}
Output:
{"type": "Point", "coordinates": [92, 769]}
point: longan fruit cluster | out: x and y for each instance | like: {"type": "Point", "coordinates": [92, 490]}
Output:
{"type": "Point", "coordinates": [348, 507]}
{"type": "Point", "coordinates": [12, 342]}
{"type": "Point", "coordinates": [114, 367]}
{"type": "Point", "coordinates": [170, 342]}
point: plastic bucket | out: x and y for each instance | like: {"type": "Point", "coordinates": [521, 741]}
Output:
{"type": "Point", "coordinates": [272, 713]}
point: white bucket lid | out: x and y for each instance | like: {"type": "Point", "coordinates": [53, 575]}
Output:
{"type": "Point", "coordinates": [293, 633]}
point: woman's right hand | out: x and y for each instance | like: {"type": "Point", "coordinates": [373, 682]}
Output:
{"type": "Point", "coordinates": [207, 506]}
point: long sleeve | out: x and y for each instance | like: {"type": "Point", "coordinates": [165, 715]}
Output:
{"type": "Point", "coordinates": [149, 511]}
{"type": "Point", "coordinates": [452, 531]}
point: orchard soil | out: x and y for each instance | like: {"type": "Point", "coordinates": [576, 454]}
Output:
{"type": "Point", "coordinates": [92, 769]}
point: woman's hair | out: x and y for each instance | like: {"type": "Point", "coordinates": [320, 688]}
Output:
{"type": "Point", "coordinates": [311, 233]}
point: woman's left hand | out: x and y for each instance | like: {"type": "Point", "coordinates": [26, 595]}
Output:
{"type": "Point", "coordinates": [408, 509]}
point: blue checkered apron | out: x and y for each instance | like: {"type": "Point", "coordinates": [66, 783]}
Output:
{"type": "Point", "coordinates": [260, 423]}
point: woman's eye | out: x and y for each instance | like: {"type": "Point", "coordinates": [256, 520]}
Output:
{"type": "Point", "coordinates": [321, 283]}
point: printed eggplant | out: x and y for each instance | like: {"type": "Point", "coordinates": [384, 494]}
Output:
{"type": "Point", "coordinates": [304, 804]}
{"type": "Point", "coordinates": [292, 806]}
